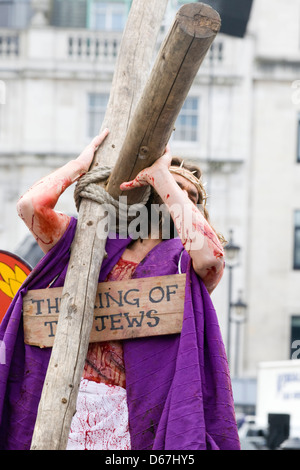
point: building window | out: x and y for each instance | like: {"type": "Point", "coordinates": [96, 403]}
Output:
{"type": "Point", "coordinates": [15, 13]}
{"type": "Point", "coordinates": [297, 239]}
{"type": "Point", "coordinates": [216, 52]}
{"type": "Point", "coordinates": [298, 140]}
{"type": "Point", "coordinates": [295, 337]}
{"type": "Point", "coordinates": [107, 16]}
{"type": "Point", "coordinates": [69, 13]}
{"type": "Point", "coordinates": [97, 103]}
{"type": "Point", "coordinates": [186, 126]}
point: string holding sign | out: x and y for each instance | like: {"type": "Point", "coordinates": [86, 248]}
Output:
{"type": "Point", "coordinates": [123, 309]}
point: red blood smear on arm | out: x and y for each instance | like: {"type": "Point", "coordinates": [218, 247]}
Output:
{"type": "Point", "coordinates": [48, 225]}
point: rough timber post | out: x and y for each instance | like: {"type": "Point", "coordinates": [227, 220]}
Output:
{"type": "Point", "coordinates": [194, 29]}
{"type": "Point", "coordinates": [58, 401]}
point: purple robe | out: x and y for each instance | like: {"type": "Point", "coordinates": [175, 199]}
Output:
{"type": "Point", "coordinates": [178, 386]}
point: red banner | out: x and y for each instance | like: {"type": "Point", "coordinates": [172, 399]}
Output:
{"type": "Point", "coordinates": [13, 272]}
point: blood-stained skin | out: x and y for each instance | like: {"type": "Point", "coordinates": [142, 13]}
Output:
{"type": "Point", "coordinates": [36, 209]}
{"type": "Point", "coordinates": [196, 234]}
{"type": "Point", "coordinates": [36, 206]}
{"type": "Point", "coordinates": [104, 363]}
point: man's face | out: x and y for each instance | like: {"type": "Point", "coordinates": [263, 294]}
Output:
{"type": "Point", "coordinates": [188, 187]}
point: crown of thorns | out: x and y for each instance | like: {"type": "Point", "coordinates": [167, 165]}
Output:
{"type": "Point", "coordinates": [189, 175]}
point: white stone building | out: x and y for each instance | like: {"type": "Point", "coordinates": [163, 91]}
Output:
{"type": "Point", "coordinates": [273, 243]}
{"type": "Point", "coordinates": [240, 123]}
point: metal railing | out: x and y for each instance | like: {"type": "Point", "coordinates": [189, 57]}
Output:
{"type": "Point", "coordinates": [9, 44]}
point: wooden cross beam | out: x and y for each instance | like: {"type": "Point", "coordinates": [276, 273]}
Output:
{"type": "Point", "coordinates": [132, 148]}
{"type": "Point", "coordinates": [59, 395]}
{"type": "Point", "coordinates": [193, 31]}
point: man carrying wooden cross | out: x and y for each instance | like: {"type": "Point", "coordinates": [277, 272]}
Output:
{"type": "Point", "coordinates": [158, 381]}
{"type": "Point", "coordinates": [171, 391]}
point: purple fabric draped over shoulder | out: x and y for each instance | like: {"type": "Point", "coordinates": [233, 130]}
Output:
{"type": "Point", "coordinates": [178, 386]}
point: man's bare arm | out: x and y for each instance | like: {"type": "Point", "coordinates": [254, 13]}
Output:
{"type": "Point", "coordinates": [36, 206]}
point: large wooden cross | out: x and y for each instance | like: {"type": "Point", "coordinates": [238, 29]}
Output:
{"type": "Point", "coordinates": [141, 114]}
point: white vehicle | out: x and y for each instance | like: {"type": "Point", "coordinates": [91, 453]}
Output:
{"type": "Point", "coordinates": [252, 435]}
{"type": "Point", "coordinates": [278, 392]}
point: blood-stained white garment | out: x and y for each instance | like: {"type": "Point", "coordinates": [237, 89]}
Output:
{"type": "Point", "coordinates": [101, 419]}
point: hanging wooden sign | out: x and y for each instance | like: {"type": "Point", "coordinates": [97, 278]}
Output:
{"type": "Point", "coordinates": [123, 309]}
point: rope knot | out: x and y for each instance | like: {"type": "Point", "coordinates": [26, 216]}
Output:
{"type": "Point", "coordinates": [88, 187]}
